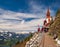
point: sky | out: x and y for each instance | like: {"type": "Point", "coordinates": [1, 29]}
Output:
{"type": "Point", "coordinates": [25, 14]}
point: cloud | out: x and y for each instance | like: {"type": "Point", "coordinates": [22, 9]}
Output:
{"type": "Point", "coordinates": [24, 21]}
{"type": "Point", "coordinates": [17, 21]}
{"type": "Point", "coordinates": [11, 16]}
{"type": "Point", "coordinates": [40, 9]}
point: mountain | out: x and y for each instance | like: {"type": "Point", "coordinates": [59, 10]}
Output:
{"type": "Point", "coordinates": [8, 39]}
{"type": "Point", "coordinates": [55, 26]}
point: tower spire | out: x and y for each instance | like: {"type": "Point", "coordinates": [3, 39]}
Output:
{"type": "Point", "coordinates": [48, 13]}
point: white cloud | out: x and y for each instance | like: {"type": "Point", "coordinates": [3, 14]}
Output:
{"type": "Point", "coordinates": [16, 20]}
{"type": "Point", "coordinates": [9, 18]}
{"type": "Point", "coordinates": [39, 9]}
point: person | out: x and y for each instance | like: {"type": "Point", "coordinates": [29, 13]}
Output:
{"type": "Point", "coordinates": [55, 36]}
{"type": "Point", "coordinates": [42, 29]}
{"type": "Point", "coordinates": [39, 29]}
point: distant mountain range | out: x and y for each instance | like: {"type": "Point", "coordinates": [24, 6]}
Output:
{"type": "Point", "coordinates": [11, 38]}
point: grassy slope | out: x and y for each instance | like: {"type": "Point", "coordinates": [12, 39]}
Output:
{"type": "Point", "coordinates": [55, 27]}
{"type": "Point", "coordinates": [23, 43]}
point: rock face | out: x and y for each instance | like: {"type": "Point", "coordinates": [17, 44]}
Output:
{"type": "Point", "coordinates": [55, 26]}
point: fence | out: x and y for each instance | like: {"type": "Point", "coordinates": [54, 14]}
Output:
{"type": "Point", "coordinates": [35, 40]}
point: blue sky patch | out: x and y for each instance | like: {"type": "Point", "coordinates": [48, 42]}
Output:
{"type": "Point", "coordinates": [23, 5]}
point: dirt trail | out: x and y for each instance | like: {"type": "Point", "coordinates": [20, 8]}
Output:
{"type": "Point", "coordinates": [48, 41]}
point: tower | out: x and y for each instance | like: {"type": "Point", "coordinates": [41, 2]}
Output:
{"type": "Point", "coordinates": [47, 21]}
{"type": "Point", "coordinates": [48, 13]}
{"type": "Point", "coordinates": [48, 18]}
